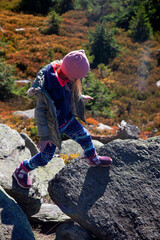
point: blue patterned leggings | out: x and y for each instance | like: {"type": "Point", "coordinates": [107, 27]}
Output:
{"type": "Point", "coordinates": [74, 130]}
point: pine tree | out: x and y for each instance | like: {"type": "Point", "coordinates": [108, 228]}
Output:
{"type": "Point", "coordinates": [140, 27]}
{"type": "Point", "coordinates": [53, 24]}
{"type": "Point", "coordinates": [6, 80]}
{"type": "Point", "coordinates": [102, 45]}
{"type": "Point", "coordinates": [62, 6]}
{"type": "Point", "coordinates": [153, 11]}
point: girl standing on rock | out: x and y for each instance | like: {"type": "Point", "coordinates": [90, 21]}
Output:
{"type": "Point", "coordinates": [59, 101]}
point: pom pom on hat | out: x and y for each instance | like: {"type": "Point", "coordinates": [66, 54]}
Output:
{"type": "Point", "coordinates": [75, 65]}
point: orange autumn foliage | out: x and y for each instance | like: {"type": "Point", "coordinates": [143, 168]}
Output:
{"type": "Point", "coordinates": [92, 121]}
{"type": "Point", "coordinates": [29, 50]}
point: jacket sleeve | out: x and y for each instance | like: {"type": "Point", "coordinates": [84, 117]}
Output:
{"type": "Point", "coordinates": [41, 118]}
{"type": "Point", "coordinates": [39, 81]}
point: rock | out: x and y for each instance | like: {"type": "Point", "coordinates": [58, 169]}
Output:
{"type": "Point", "coordinates": [125, 131]}
{"type": "Point", "coordinates": [154, 131]}
{"type": "Point", "coordinates": [49, 213]}
{"type": "Point", "coordinates": [25, 114]}
{"type": "Point", "coordinates": [120, 202]}
{"type": "Point", "coordinates": [26, 29]}
{"type": "Point", "coordinates": [12, 152]}
{"type": "Point", "coordinates": [29, 144]}
{"type": "Point", "coordinates": [97, 144]}
{"type": "Point", "coordinates": [72, 231]}
{"type": "Point", "coordinates": [23, 82]}
{"type": "Point", "coordinates": [13, 222]}
{"type": "Point", "coordinates": [44, 174]}
{"type": "Point", "coordinates": [128, 131]}
{"type": "Point", "coordinates": [158, 83]}
{"type": "Point", "coordinates": [71, 147]}
{"type": "Point", "coordinates": [31, 200]}
{"type": "Point", "coordinates": [102, 127]}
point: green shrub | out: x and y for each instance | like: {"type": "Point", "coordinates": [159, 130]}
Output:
{"type": "Point", "coordinates": [6, 80]}
{"type": "Point", "coordinates": [100, 105]}
{"type": "Point", "coordinates": [104, 70]}
{"type": "Point", "coordinates": [153, 10]}
{"type": "Point", "coordinates": [34, 132]}
{"type": "Point", "coordinates": [82, 4]}
{"type": "Point", "coordinates": [21, 91]}
{"type": "Point", "coordinates": [62, 6]}
{"type": "Point", "coordinates": [123, 19]}
{"type": "Point", "coordinates": [102, 45]}
{"type": "Point", "coordinates": [53, 23]}
{"type": "Point", "coordinates": [140, 27]}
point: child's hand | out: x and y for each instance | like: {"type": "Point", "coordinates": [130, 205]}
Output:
{"type": "Point", "coordinates": [42, 144]}
{"type": "Point", "coordinates": [86, 98]}
{"type": "Point", "coordinates": [32, 91]}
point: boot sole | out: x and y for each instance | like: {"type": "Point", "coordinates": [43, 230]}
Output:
{"type": "Point", "coordinates": [99, 165]}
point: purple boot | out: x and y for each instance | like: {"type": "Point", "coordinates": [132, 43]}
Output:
{"type": "Point", "coordinates": [102, 161]}
{"type": "Point", "coordinates": [21, 176]}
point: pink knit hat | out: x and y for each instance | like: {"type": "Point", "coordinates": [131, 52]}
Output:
{"type": "Point", "coordinates": [75, 65]}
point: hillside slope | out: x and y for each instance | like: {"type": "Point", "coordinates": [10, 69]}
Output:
{"type": "Point", "coordinates": [132, 74]}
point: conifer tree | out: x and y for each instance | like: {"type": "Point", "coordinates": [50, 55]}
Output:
{"type": "Point", "coordinates": [102, 45]}
{"type": "Point", "coordinates": [153, 11]}
{"type": "Point", "coordinates": [53, 23]}
{"type": "Point", "coordinates": [62, 6]}
{"type": "Point", "coordinates": [140, 27]}
{"type": "Point", "coordinates": [6, 80]}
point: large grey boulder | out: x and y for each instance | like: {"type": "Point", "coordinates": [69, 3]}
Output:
{"type": "Point", "coordinates": [49, 213]}
{"type": "Point", "coordinates": [29, 144]}
{"type": "Point", "coordinates": [116, 203]}
{"type": "Point", "coordinates": [26, 114]}
{"type": "Point", "coordinates": [71, 147]}
{"type": "Point", "coordinates": [13, 222]}
{"type": "Point", "coordinates": [12, 151]}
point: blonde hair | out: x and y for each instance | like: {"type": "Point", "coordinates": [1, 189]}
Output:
{"type": "Point", "coordinates": [77, 88]}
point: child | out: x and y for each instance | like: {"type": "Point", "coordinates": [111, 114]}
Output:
{"type": "Point", "coordinates": [59, 100]}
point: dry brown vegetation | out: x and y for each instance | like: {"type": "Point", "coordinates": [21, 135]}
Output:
{"type": "Point", "coordinates": [133, 77]}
